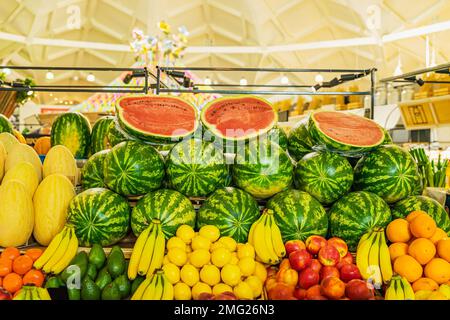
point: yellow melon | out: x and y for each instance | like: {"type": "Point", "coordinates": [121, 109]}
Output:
{"type": "Point", "coordinates": [22, 152]}
{"type": "Point", "coordinates": [2, 160]}
{"type": "Point", "coordinates": [51, 201]}
{"type": "Point", "coordinates": [16, 214]}
{"type": "Point", "coordinates": [60, 160]}
{"type": "Point", "coordinates": [25, 173]}
{"type": "Point", "coordinates": [8, 140]}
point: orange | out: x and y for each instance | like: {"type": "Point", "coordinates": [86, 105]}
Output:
{"type": "Point", "coordinates": [439, 270]}
{"type": "Point", "coordinates": [425, 284]}
{"type": "Point", "coordinates": [398, 249]}
{"type": "Point", "coordinates": [422, 249]}
{"type": "Point", "coordinates": [398, 231]}
{"type": "Point", "coordinates": [5, 266]}
{"type": "Point", "coordinates": [443, 249]}
{"type": "Point", "coordinates": [22, 264]}
{"type": "Point", "coordinates": [35, 277]}
{"type": "Point", "coordinates": [1, 281]}
{"type": "Point", "coordinates": [410, 217]}
{"type": "Point", "coordinates": [11, 253]}
{"type": "Point", "coordinates": [34, 253]}
{"type": "Point", "coordinates": [408, 267]}
{"type": "Point", "coordinates": [438, 235]}
{"type": "Point", "coordinates": [423, 226]}
{"type": "Point", "coordinates": [12, 282]}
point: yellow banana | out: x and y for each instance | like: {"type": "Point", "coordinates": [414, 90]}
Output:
{"type": "Point", "coordinates": [400, 294]}
{"type": "Point", "coordinates": [21, 295]}
{"type": "Point", "coordinates": [147, 253]}
{"type": "Point", "coordinates": [158, 251]}
{"type": "Point", "coordinates": [141, 289]}
{"type": "Point", "coordinates": [362, 255]}
{"type": "Point", "coordinates": [277, 240]}
{"type": "Point", "coordinates": [374, 262]}
{"type": "Point", "coordinates": [251, 233]}
{"type": "Point", "coordinates": [70, 253]}
{"type": "Point", "coordinates": [364, 237]}
{"type": "Point", "coordinates": [408, 290]}
{"type": "Point", "coordinates": [137, 253]}
{"type": "Point", "coordinates": [168, 289]}
{"type": "Point", "coordinates": [268, 240]}
{"type": "Point", "coordinates": [34, 294]}
{"type": "Point", "coordinates": [59, 253]}
{"type": "Point", "coordinates": [43, 294]}
{"type": "Point", "coordinates": [50, 251]}
{"type": "Point", "coordinates": [390, 292]}
{"type": "Point", "coordinates": [259, 244]}
{"type": "Point", "coordinates": [154, 288]}
{"type": "Point", "coordinates": [27, 294]}
{"type": "Point", "coordinates": [385, 260]}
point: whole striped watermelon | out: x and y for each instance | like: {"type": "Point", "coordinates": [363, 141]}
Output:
{"type": "Point", "coordinates": [196, 168]}
{"type": "Point", "coordinates": [263, 169]}
{"type": "Point", "coordinates": [387, 137]}
{"type": "Point", "coordinates": [299, 142]}
{"type": "Point", "coordinates": [5, 125]}
{"type": "Point", "coordinates": [169, 206]}
{"type": "Point", "coordinates": [99, 216]}
{"type": "Point", "coordinates": [72, 130]}
{"type": "Point", "coordinates": [133, 168]}
{"type": "Point", "coordinates": [404, 207]}
{"type": "Point", "coordinates": [298, 215]}
{"type": "Point", "coordinates": [357, 213]}
{"type": "Point", "coordinates": [99, 139]}
{"type": "Point", "coordinates": [115, 135]}
{"type": "Point", "coordinates": [389, 172]}
{"type": "Point", "coordinates": [325, 175]}
{"type": "Point", "coordinates": [92, 173]}
{"type": "Point", "coordinates": [230, 209]}
{"type": "Point", "coordinates": [278, 136]}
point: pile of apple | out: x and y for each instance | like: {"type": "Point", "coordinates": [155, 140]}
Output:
{"type": "Point", "coordinates": [317, 269]}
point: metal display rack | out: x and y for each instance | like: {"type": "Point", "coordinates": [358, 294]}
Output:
{"type": "Point", "coordinates": [411, 77]}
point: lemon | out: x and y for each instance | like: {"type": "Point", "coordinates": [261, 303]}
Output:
{"type": "Point", "coordinates": [200, 288]}
{"type": "Point", "coordinates": [185, 233]}
{"type": "Point", "coordinates": [234, 259]}
{"type": "Point", "coordinates": [210, 232]}
{"type": "Point", "coordinates": [200, 242]}
{"type": "Point", "coordinates": [245, 250]}
{"type": "Point", "coordinates": [181, 291]}
{"type": "Point", "coordinates": [255, 283]}
{"type": "Point", "coordinates": [200, 257]}
{"type": "Point", "coordinates": [247, 266]}
{"type": "Point", "coordinates": [210, 274]}
{"type": "Point", "coordinates": [189, 275]}
{"type": "Point", "coordinates": [172, 272]}
{"type": "Point", "coordinates": [229, 242]}
{"type": "Point", "coordinates": [217, 245]}
{"type": "Point", "coordinates": [243, 291]}
{"type": "Point", "coordinates": [188, 248]}
{"type": "Point", "coordinates": [231, 274]}
{"type": "Point", "coordinates": [166, 260]}
{"type": "Point", "coordinates": [221, 288]}
{"type": "Point", "coordinates": [176, 242]}
{"type": "Point", "coordinates": [177, 256]}
{"type": "Point", "coordinates": [220, 257]}
{"type": "Point", "coordinates": [260, 271]}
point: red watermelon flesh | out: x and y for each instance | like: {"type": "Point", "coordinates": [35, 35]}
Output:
{"type": "Point", "coordinates": [239, 117]}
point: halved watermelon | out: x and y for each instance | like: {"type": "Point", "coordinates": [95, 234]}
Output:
{"type": "Point", "coordinates": [339, 131]}
{"type": "Point", "coordinates": [238, 118]}
{"type": "Point", "coordinates": [158, 119]}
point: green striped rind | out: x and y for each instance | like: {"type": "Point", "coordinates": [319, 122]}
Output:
{"type": "Point", "coordinates": [99, 140]}
{"type": "Point", "coordinates": [298, 215]}
{"type": "Point", "coordinates": [5, 125]}
{"type": "Point", "coordinates": [99, 216]}
{"type": "Point", "coordinates": [196, 168]}
{"type": "Point", "coordinates": [325, 175]}
{"type": "Point", "coordinates": [278, 136]}
{"type": "Point", "coordinates": [73, 131]}
{"type": "Point", "coordinates": [230, 209]}
{"type": "Point", "coordinates": [92, 172]}
{"type": "Point", "coordinates": [389, 172]}
{"type": "Point", "coordinates": [299, 142]}
{"type": "Point", "coordinates": [263, 169]}
{"type": "Point", "coordinates": [357, 213]}
{"type": "Point", "coordinates": [402, 208]}
{"type": "Point", "coordinates": [387, 137]}
{"type": "Point", "coordinates": [169, 206]}
{"type": "Point", "coordinates": [114, 135]}
{"type": "Point", "coordinates": [133, 168]}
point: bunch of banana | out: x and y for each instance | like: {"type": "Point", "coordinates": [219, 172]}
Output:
{"type": "Point", "coordinates": [265, 237]}
{"type": "Point", "coordinates": [399, 289]}
{"type": "Point", "coordinates": [373, 258]}
{"type": "Point", "coordinates": [148, 251]}
{"type": "Point", "coordinates": [154, 287]}
{"type": "Point", "coordinates": [59, 252]}
{"type": "Point", "coordinates": [32, 293]}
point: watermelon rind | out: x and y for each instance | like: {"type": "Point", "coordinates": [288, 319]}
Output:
{"type": "Point", "coordinates": [99, 139]}
{"type": "Point", "coordinates": [231, 210]}
{"type": "Point", "coordinates": [299, 141]}
{"type": "Point", "coordinates": [115, 134]}
{"type": "Point", "coordinates": [169, 206]}
{"type": "Point", "coordinates": [5, 124]}
{"type": "Point", "coordinates": [92, 172]}
{"type": "Point", "coordinates": [278, 136]}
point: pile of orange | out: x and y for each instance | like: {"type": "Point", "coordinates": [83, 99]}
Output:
{"type": "Point", "coordinates": [420, 251]}
{"type": "Point", "coordinates": [16, 270]}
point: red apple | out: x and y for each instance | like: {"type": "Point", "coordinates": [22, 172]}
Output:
{"type": "Point", "coordinates": [315, 243]}
{"type": "Point", "coordinates": [300, 293]}
{"type": "Point", "coordinates": [300, 259]}
{"type": "Point", "coordinates": [4, 295]}
{"type": "Point", "coordinates": [288, 276]}
{"type": "Point", "coordinates": [333, 288]}
{"type": "Point", "coordinates": [359, 290]}
{"type": "Point", "coordinates": [280, 291]}
{"type": "Point", "coordinates": [227, 295]}
{"type": "Point", "coordinates": [319, 297]}
{"type": "Point", "coordinates": [285, 264]}
{"type": "Point", "coordinates": [271, 282]}
{"type": "Point", "coordinates": [315, 265]}
{"type": "Point", "coordinates": [329, 256]}
{"type": "Point", "coordinates": [347, 259]}
{"type": "Point", "coordinates": [294, 245]}
{"type": "Point", "coordinates": [271, 271]}
{"type": "Point", "coordinates": [308, 278]}
{"type": "Point", "coordinates": [349, 272]}
{"type": "Point", "coordinates": [339, 244]}
{"type": "Point", "coordinates": [328, 271]}
{"type": "Point", "coordinates": [206, 296]}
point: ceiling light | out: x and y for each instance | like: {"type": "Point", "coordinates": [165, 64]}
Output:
{"type": "Point", "coordinates": [284, 80]}
{"type": "Point", "coordinates": [49, 75]}
{"type": "Point", "coordinates": [243, 82]}
{"type": "Point", "coordinates": [75, 78]}
{"type": "Point", "coordinates": [318, 78]}
{"type": "Point", "coordinates": [207, 81]}
{"type": "Point", "coordinates": [56, 99]}
{"type": "Point", "coordinates": [51, 94]}
{"type": "Point", "coordinates": [6, 71]}
{"type": "Point", "coordinates": [90, 77]}
{"type": "Point", "coordinates": [30, 92]}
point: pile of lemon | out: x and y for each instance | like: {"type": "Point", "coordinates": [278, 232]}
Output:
{"type": "Point", "coordinates": [204, 262]}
